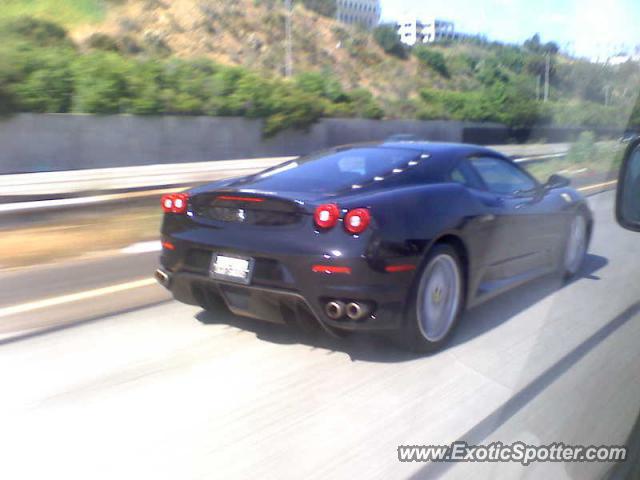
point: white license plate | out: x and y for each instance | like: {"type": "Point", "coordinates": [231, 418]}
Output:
{"type": "Point", "coordinates": [233, 269]}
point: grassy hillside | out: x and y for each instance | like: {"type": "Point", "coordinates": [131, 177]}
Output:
{"type": "Point", "coordinates": [179, 56]}
{"type": "Point", "coordinates": [251, 33]}
{"type": "Point", "coordinates": [66, 12]}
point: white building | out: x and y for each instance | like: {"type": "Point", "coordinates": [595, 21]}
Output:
{"type": "Point", "coordinates": [619, 59]}
{"type": "Point", "coordinates": [412, 31]}
{"type": "Point", "coordinates": [365, 13]}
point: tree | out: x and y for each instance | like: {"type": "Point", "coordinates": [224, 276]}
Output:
{"type": "Point", "coordinates": [144, 89]}
{"type": "Point", "coordinates": [7, 75]}
{"type": "Point", "coordinates": [289, 107]}
{"type": "Point", "coordinates": [195, 87]}
{"type": "Point", "coordinates": [533, 44]}
{"type": "Point", "coordinates": [100, 83]}
{"type": "Point", "coordinates": [47, 85]}
{"type": "Point", "coordinates": [551, 48]}
{"type": "Point", "coordinates": [387, 37]}
{"type": "Point", "coordinates": [634, 119]}
{"type": "Point", "coordinates": [40, 32]}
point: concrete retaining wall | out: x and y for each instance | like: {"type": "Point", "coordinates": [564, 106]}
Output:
{"type": "Point", "coordinates": [50, 142]}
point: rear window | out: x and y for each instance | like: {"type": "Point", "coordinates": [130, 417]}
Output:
{"type": "Point", "coordinates": [336, 171]}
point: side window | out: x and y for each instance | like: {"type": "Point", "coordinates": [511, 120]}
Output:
{"type": "Point", "coordinates": [466, 176]}
{"type": "Point", "coordinates": [500, 176]}
{"type": "Point", "coordinates": [458, 177]}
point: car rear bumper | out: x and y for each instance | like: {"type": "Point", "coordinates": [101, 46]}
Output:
{"type": "Point", "coordinates": [285, 288]}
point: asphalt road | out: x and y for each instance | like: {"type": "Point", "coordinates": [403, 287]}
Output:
{"type": "Point", "coordinates": [106, 387]}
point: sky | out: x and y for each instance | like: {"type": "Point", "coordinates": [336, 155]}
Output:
{"type": "Point", "coordinates": [587, 28]}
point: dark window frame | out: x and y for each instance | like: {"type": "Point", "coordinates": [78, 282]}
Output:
{"type": "Point", "coordinates": [468, 161]}
{"type": "Point", "coordinates": [469, 173]}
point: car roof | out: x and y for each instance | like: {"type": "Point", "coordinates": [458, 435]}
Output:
{"type": "Point", "coordinates": [443, 156]}
{"type": "Point", "coordinates": [441, 152]}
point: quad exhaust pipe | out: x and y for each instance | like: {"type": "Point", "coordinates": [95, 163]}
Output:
{"type": "Point", "coordinates": [162, 277]}
{"type": "Point", "coordinates": [357, 311]}
{"type": "Point", "coordinates": [337, 310]}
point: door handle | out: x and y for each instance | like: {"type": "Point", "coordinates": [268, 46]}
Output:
{"type": "Point", "coordinates": [493, 201]}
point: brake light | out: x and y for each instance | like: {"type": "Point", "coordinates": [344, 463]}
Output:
{"type": "Point", "coordinates": [240, 199]}
{"type": "Point", "coordinates": [168, 246]}
{"type": "Point", "coordinates": [327, 215]}
{"type": "Point", "coordinates": [175, 203]}
{"type": "Point", "coordinates": [357, 221]}
{"type": "Point", "coordinates": [330, 269]}
{"type": "Point", "coordinates": [400, 268]}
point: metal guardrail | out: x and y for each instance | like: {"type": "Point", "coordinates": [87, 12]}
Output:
{"type": "Point", "coordinates": [52, 191]}
{"type": "Point", "coordinates": [539, 158]}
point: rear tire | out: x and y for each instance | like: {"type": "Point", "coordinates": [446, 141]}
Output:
{"type": "Point", "coordinates": [576, 247]}
{"type": "Point", "coordinates": [437, 301]}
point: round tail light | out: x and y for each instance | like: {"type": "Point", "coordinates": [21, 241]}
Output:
{"type": "Point", "coordinates": [357, 221]}
{"type": "Point", "coordinates": [167, 203]}
{"type": "Point", "coordinates": [326, 216]}
{"type": "Point", "coordinates": [175, 203]}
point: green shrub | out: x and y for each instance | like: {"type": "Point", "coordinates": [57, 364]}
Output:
{"type": "Point", "coordinates": [47, 84]}
{"type": "Point", "coordinates": [101, 83]}
{"type": "Point", "coordinates": [500, 103]}
{"type": "Point", "coordinates": [280, 103]}
{"type": "Point", "coordinates": [583, 149]}
{"type": "Point", "coordinates": [251, 98]}
{"type": "Point", "coordinates": [490, 72]}
{"type": "Point", "coordinates": [102, 41]}
{"type": "Point", "coordinates": [7, 75]}
{"type": "Point", "coordinates": [190, 87]}
{"type": "Point", "coordinates": [289, 107]}
{"type": "Point", "coordinates": [511, 57]}
{"type": "Point", "coordinates": [587, 114]}
{"type": "Point", "coordinates": [432, 59]}
{"type": "Point", "coordinates": [634, 119]}
{"type": "Point", "coordinates": [321, 85]}
{"type": "Point", "coordinates": [387, 37]}
{"type": "Point", "coordinates": [144, 89]}
{"type": "Point", "coordinates": [40, 32]}
{"type": "Point", "coordinates": [364, 105]}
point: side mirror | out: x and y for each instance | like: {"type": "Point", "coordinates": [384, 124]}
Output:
{"type": "Point", "coordinates": [557, 181]}
{"type": "Point", "coordinates": [628, 196]}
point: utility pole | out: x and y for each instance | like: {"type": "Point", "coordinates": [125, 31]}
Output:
{"type": "Point", "coordinates": [289, 34]}
{"type": "Point", "coordinates": [607, 95]}
{"type": "Point", "coordinates": [547, 72]}
{"type": "Point", "coordinates": [538, 87]}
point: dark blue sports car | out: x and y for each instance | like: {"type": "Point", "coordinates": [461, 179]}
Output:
{"type": "Point", "coordinates": [389, 236]}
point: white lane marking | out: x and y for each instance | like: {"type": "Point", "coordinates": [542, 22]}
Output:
{"type": "Point", "coordinates": [598, 185]}
{"type": "Point", "coordinates": [142, 247]}
{"type": "Point", "coordinates": [74, 297]}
